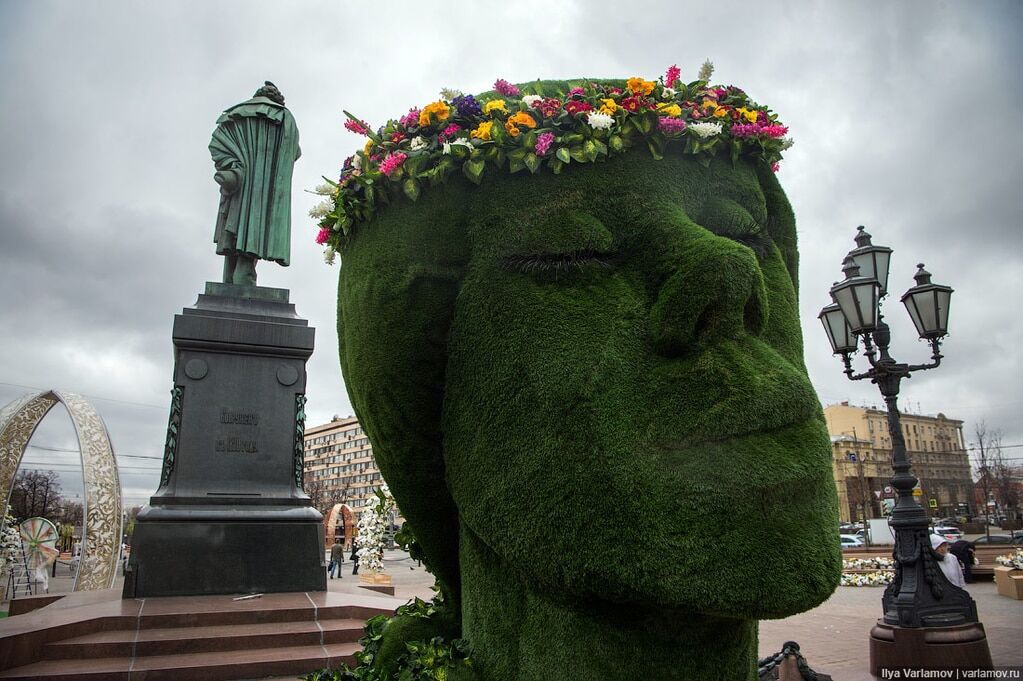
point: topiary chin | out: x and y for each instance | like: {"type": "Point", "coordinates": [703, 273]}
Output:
{"type": "Point", "coordinates": [586, 392]}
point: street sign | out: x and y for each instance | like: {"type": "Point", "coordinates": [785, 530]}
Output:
{"type": "Point", "coordinates": [888, 489]}
{"type": "Point", "coordinates": [933, 503]}
{"type": "Point", "coordinates": [877, 494]}
{"type": "Point", "coordinates": [918, 492]}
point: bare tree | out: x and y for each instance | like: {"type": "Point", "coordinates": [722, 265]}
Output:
{"type": "Point", "coordinates": [989, 442]}
{"type": "Point", "coordinates": [36, 493]}
{"type": "Point", "coordinates": [325, 494]}
{"type": "Point", "coordinates": [1004, 480]}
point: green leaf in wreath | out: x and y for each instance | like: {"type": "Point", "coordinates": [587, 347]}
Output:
{"type": "Point", "coordinates": [474, 170]}
{"type": "Point", "coordinates": [616, 143]}
{"type": "Point", "coordinates": [411, 188]}
{"type": "Point", "coordinates": [563, 155]}
{"type": "Point", "coordinates": [532, 162]}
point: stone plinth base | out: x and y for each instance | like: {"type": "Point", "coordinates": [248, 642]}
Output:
{"type": "Point", "coordinates": [959, 647]}
{"type": "Point", "coordinates": [208, 557]}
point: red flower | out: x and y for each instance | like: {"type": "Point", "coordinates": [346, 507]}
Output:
{"type": "Point", "coordinates": [550, 107]}
{"type": "Point", "coordinates": [397, 137]}
{"type": "Point", "coordinates": [575, 107]}
{"type": "Point", "coordinates": [631, 104]}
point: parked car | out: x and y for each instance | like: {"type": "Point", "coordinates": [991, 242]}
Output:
{"type": "Point", "coordinates": [994, 539]}
{"type": "Point", "coordinates": [947, 522]}
{"type": "Point", "coordinates": [850, 541]}
{"type": "Point", "coordinates": [950, 533]}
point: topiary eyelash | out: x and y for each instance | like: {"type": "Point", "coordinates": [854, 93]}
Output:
{"type": "Point", "coordinates": [558, 262]}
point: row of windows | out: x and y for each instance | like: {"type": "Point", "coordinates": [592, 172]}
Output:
{"type": "Point", "coordinates": [343, 435]}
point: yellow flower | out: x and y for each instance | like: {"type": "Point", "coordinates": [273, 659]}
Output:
{"type": "Point", "coordinates": [609, 107]}
{"type": "Point", "coordinates": [482, 132]}
{"type": "Point", "coordinates": [750, 116]}
{"type": "Point", "coordinates": [521, 118]}
{"type": "Point", "coordinates": [709, 104]}
{"type": "Point", "coordinates": [437, 110]}
{"type": "Point", "coordinates": [638, 86]}
{"type": "Point", "coordinates": [670, 109]}
{"type": "Point", "coordinates": [494, 105]}
{"type": "Point", "coordinates": [720, 112]}
{"type": "Point", "coordinates": [366, 149]}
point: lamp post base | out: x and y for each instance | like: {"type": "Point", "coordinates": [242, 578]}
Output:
{"type": "Point", "coordinates": [958, 647]}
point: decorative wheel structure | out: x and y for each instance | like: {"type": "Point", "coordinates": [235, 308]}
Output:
{"type": "Point", "coordinates": [40, 537]}
{"type": "Point", "coordinates": [101, 533]}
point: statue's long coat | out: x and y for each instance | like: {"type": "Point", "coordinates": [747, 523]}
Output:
{"type": "Point", "coordinates": [258, 139]}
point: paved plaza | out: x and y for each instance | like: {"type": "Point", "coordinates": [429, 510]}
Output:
{"type": "Point", "coordinates": [833, 636]}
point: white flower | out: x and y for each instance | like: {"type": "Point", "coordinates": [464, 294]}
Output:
{"type": "Point", "coordinates": [449, 93]}
{"type": "Point", "coordinates": [787, 143]}
{"type": "Point", "coordinates": [357, 162]}
{"type": "Point", "coordinates": [668, 93]}
{"type": "Point", "coordinates": [418, 142]}
{"type": "Point", "coordinates": [321, 209]}
{"type": "Point", "coordinates": [328, 255]}
{"type": "Point", "coordinates": [600, 121]}
{"type": "Point", "coordinates": [459, 142]}
{"type": "Point", "coordinates": [325, 189]}
{"type": "Point", "coordinates": [532, 100]}
{"type": "Point", "coordinates": [706, 129]}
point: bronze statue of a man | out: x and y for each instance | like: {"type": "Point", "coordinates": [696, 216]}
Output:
{"type": "Point", "coordinates": [254, 149]}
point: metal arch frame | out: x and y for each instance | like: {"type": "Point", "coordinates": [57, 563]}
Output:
{"type": "Point", "coordinates": [102, 505]}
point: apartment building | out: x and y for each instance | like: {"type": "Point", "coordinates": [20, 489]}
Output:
{"type": "Point", "coordinates": [339, 464]}
{"type": "Point", "coordinates": [862, 453]}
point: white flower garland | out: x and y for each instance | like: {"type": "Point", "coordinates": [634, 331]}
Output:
{"type": "Point", "coordinates": [879, 563]}
{"type": "Point", "coordinates": [879, 578]}
{"type": "Point", "coordinates": [10, 540]}
{"type": "Point", "coordinates": [369, 541]}
{"type": "Point", "coordinates": [1013, 560]}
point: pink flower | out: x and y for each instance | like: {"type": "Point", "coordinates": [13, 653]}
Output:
{"type": "Point", "coordinates": [775, 167]}
{"type": "Point", "coordinates": [358, 127]}
{"type": "Point", "coordinates": [672, 126]}
{"type": "Point", "coordinates": [392, 163]}
{"type": "Point", "coordinates": [322, 237]}
{"type": "Point", "coordinates": [543, 143]}
{"type": "Point", "coordinates": [576, 92]}
{"type": "Point", "coordinates": [672, 75]}
{"type": "Point", "coordinates": [506, 88]}
{"type": "Point", "coordinates": [411, 118]}
{"type": "Point", "coordinates": [758, 129]}
{"type": "Point", "coordinates": [449, 132]}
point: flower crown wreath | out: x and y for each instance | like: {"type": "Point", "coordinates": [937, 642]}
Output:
{"type": "Point", "coordinates": [506, 127]}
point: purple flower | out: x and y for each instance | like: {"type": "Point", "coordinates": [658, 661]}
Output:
{"type": "Point", "coordinates": [671, 126]}
{"type": "Point", "coordinates": [506, 88]}
{"type": "Point", "coordinates": [467, 106]}
{"type": "Point", "coordinates": [543, 143]}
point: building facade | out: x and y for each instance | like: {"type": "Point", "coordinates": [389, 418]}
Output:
{"type": "Point", "coordinates": [936, 450]}
{"type": "Point", "coordinates": [339, 465]}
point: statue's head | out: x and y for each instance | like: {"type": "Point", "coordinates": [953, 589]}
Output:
{"type": "Point", "coordinates": [270, 91]}
{"type": "Point", "coordinates": [599, 374]}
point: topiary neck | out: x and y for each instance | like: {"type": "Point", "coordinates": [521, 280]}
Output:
{"type": "Point", "coordinates": [519, 633]}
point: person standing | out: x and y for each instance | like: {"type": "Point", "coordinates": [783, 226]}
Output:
{"type": "Point", "coordinates": [355, 558]}
{"type": "Point", "coordinates": [964, 551]}
{"type": "Point", "coordinates": [337, 556]}
{"type": "Point", "coordinates": [948, 563]}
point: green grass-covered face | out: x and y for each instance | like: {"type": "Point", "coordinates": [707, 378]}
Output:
{"type": "Point", "coordinates": [612, 363]}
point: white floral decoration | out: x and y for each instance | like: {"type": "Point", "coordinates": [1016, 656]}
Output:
{"type": "Point", "coordinates": [321, 209]}
{"type": "Point", "coordinates": [532, 100]}
{"type": "Point", "coordinates": [1013, 560]}
{"type": "Point", "coordinates": [706, 71]}
{"type": "Point", "coordinates": [600, 121]}
{"type": "Point", "coordinates": [706, 129]}
{"type": "Point", "coordinates": [879, 578]}
{"type": "Point", "coordinates": [418, 143]}
{"type": "Point", "coordinates": [329, 254]}
{"type": "Point", "coordinates": [449, 93]}
{"type": "Point", "coordinates": [668, 93]}
{"type": "Point", "coordinates": [10, 540]}
{"type": "Point", "coordinates": [369, 541]}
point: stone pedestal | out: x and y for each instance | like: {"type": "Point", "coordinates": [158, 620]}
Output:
{"type": "Point", "coordinates": [230, 515]}
{"type": "Point", "coordinates": [931, 648]}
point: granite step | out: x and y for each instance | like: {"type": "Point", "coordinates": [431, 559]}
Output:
{"type": "Point", "coordinates": [194, 639]}
{"type": "Point", "coordinates": [225, 665]}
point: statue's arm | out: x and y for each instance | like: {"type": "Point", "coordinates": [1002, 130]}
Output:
{"type": "Point", "coordinates": [229, 180]}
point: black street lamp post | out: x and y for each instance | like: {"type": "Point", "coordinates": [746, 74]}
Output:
{"type": "Point", "coordinates": [920, 598]}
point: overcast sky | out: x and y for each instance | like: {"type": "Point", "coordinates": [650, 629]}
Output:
{"type": "Point", "coordinates": [904, 116]}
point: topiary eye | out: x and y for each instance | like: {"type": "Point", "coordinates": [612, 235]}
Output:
{"type": "Point", "coordinates": [556, 263]}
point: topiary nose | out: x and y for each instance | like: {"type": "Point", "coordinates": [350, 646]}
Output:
{"type": "Point", "coordinates": [717, 291]}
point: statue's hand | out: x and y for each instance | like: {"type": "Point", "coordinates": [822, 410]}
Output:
{"type": "Point", "coordinates": [229, 180]}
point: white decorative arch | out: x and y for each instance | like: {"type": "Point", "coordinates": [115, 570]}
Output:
{"type": "Point", "coordinates": [101, 535]}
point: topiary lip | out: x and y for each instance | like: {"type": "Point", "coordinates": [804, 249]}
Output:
{"type": "Point", "coordinates": [543, 125]}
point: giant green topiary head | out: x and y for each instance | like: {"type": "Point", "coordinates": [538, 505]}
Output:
{"type": "Point", "coordinates": [599, 375]}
